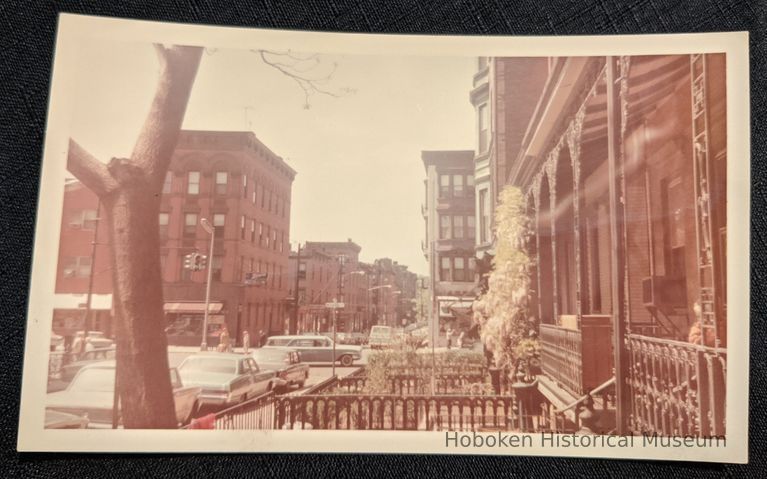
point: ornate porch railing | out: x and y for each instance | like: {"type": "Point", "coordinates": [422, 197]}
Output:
{"type": "Point", "coordinates": [578, 359]}
{"type": "Point", "coordinates": [677, 388]}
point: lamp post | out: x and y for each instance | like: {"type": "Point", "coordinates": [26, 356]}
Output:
{"type": "Point", "coordinates": [212, 232]}
{"type": "Point", "coordinates": [377, 287]}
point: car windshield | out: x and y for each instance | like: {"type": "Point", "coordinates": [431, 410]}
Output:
{"type": "Point", "coordinates": [209, 365]}
{"type": "Point", "coordinates": [278, 341]}
{"type": "Point", "coordinates": [269, 355]}
{"type": "Point", "coordinates": [94, 380]}
{"type": "Point", "coordinates": [380, 331]}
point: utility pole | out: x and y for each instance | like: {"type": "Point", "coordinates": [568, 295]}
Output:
{"type": "Point", "coordinates": [87, 322]}
{"type": "Point", "coordinates": [293, 327]}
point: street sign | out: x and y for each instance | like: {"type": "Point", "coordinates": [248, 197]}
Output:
{"type": "Point", "coordinates": [335, 305]}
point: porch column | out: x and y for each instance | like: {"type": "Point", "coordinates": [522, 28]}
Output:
{"type": "Point", "coordinates": [574, 145]}
{"type": "Point", "coordinates": [617, 86]}
{"type": "Point", "coordinates": [551, 174]}
{"type": "Point", "coordinates": [536, 191]}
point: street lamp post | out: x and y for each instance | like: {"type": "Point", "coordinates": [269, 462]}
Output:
{"type": "Point", "coordinates": [212, 232]}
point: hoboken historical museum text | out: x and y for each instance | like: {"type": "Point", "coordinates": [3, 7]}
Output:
{"type": "Point", "coordinates": [500, 439]}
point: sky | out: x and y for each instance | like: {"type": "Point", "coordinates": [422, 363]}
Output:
{"type": "Point", "coordinates": [358, 156]}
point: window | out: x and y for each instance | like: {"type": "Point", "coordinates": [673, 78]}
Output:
{"type": "Point", "coordinates": [471, 269]}
{"type": "Point", "coordinates": [193, 183]}
{"type": "Point", "coordinates": [222, 179]}
{"type": "Point", "coordinates": [444, 227]}
{"type": "Point", "coordinates": [483, 114]}
{"type": "Point", "coordinates": [77, 267]}
{"type": "Point", "coordinates": [190, 224]}
{"type": "Point", "coordinates": [218, 264]}
{"type": "Point", "coordinates": [84, 219]}
{"type": "Point", "coordinates": [252, 231]}
{"type": "Point", "coordinates": [484, 216]}
{"type": "Point", "coordinates": [219, 221]}
{"type": "Point", "coordinates": [167, 185]}
{"type": "Point", "coordinates": [444, 186]}
{"type": "Point", "coordinates": [242, 227]}
{"type": "Point", "coordinates": [274, 240]}
{"type": "Point", "coordinates": [164, 219]}
{"type": "Point", "coordinates": [459, 269]}
{"type": "Point", "coordinates": [458, 227]}
{"type": "Point", "coordinates": [244, 185]}
{"type": "Point", "coordinates": [263, 196]}
{"type": "Point", "coordinates": [260, 234]}
{"type": "Point", "coordinates": [444, 269]}
{"type": "Point", "coordinates": [271, 195]}
{"type": "Point", "coordinates": [458, 185]}
{"type": "Point", "coordinates": [267, 238]}
{"type": "Point", "coordinates": [470, 184]}
{"type": "Point", "coordinates": [282, 241]}
{"type": "Point", "coordinates": [255, 192]}
{"type": "Point", "coordinates": [470, 232]}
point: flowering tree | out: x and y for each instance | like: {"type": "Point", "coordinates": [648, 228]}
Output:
{"type": "Point", "coordinates": [503, 311]}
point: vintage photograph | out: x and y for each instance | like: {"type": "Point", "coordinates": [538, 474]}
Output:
{"type": "Point", "coordinates": [274, 238]}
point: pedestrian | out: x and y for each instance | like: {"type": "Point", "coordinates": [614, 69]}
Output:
{"type": "Point", "coordinates": [78, 346]}
{"type": "Point", "coordinates": [223, 340]}
{"type": "Point", "coordinates": [460, 339]}
{"type": "Point", "coordinates": [245, 342]}
{"type": "Point", "coordinates": [261, 338]}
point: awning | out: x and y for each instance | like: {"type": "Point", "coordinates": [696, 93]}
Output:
{"type": "Point", "coordinates": [453, 307]}
{"type": "Point", "coordinates": [193, 307]}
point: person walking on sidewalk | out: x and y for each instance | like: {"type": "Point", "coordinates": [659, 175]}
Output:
{"type": "Point", "coordinates": [245, 342]}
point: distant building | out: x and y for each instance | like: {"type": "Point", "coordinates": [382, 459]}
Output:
{"type": "Point", "coordinates": [329, 271]}
{"type": "Point", "coordinates": [450, 231]}
{"type": "Point", "coordinates": [244, 190]}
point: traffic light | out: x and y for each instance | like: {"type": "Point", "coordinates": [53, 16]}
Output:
{"type": "Point", "coordinates": [195, 261]}
{"type": "Point", "coordinates": [200, 262]}
{"type": "Point", "coordinates": [189, 261]}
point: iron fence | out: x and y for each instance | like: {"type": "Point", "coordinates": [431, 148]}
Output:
{"type": "Point", "coordinates": [396, 412]}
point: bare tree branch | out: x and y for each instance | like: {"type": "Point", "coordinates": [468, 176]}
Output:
{"type": "Point", "coordinates": [90, 171]}
{"type": "Point", "coordinates": [298, 69]}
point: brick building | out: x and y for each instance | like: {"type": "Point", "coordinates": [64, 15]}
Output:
{"type": "Point", "coordinates": [449, 246]}
{"type": "Point", "coordinates": [329, 270]}
{"type": "Point", "coordinates": [505, 93]}
{"type": "Point", "coordinates": [244, 190]}
{"type": "Point", "coordinates": [381, 292]}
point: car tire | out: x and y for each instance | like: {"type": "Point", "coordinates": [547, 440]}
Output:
{"type": "Point", "coordinates": [346, 360]}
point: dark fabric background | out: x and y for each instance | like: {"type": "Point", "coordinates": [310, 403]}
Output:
{"type": "Point", "coordinates": [27, 34]}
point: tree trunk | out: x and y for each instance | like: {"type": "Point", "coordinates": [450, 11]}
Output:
{"type": "Point", "coordinates": [130, 191]}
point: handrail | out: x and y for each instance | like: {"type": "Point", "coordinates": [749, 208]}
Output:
{"type": "Point", "coordinates": [596, 390]}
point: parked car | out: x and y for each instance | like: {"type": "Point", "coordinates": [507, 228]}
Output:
{"type": "Point", "coordinates": [317, 349]}
{"type": "Point", "coordinates": [97, 339]}
{"type": "Point", "coordinates": [354, 338]}
{"type": "Point", "coordinates": [91, 392]}
{"type": "Point", "coordinates": [69, 371]}
{"type": "Point", "coordinates": [227, 378]}
{"type": "Point", "coordinates": [285, 362]}
{"type": "Point", "coordinates": [381, 337]}
{"type": "Point", "coordinates": [62, 420]}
